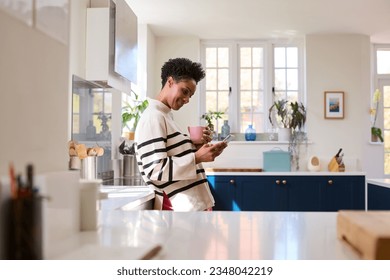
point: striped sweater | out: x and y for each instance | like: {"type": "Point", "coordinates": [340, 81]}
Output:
{"type": "Point", "coordinates": [166, 160]}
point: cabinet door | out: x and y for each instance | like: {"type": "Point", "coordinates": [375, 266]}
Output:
{"type": "Point", "coordinates": [378, 197]}
{"type": "Point", "coordinates": [342, 193]}
{"type": "Point", "coordinates": [303, 193]}
{"type": "Point", "coordinates": [223, 189]}
{"type": "Point", "coordinates": [260, 193]}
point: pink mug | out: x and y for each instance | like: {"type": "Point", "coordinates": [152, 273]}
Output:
{"type": "Point", "coordinates": [196, 134]}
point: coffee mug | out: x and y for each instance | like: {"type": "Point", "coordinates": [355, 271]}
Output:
{"type": "Point", "coordinates": [196, 134]}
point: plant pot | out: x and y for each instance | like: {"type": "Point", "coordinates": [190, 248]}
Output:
{"type": "Point", "coordinates": [128, 135]}
{"type": "Point", "coordinates": [284, 134]}
{"type": "Point", "coordinates": [374, 138]}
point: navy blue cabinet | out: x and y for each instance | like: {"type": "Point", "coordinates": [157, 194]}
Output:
{"type": "Point", "coordinates": [342, 193]}
{"type": "Point", "coordinates": [378, 197]}
{"type": "Point", "coordinates": [287, 193]}
{"type": "Point", "coordinates": [223, 189]}
{"type": "Point", "coordinates": [254, 194]}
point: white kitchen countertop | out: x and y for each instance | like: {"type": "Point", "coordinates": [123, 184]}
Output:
{"type": "Point", "coordinates": [379, 182]}
{"type": "Point", "coordinates": [301, 173]}
{"type": "Point", "coordinates": [209, 235]}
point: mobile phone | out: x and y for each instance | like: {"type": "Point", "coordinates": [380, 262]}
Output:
{"type": "Point", "coordinates": [228, 138]}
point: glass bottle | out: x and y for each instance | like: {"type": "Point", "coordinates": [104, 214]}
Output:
{"type": "Point", "coordinates": [225, 129]}
{"type": "Point", "coordinates": [250, 133]}
{"type": "Point", "coordinates": [91, 131]}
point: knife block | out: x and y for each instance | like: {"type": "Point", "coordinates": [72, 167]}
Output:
{"type": "Point", "coordinates": [333, 166]}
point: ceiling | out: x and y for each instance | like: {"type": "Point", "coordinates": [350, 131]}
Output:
{"type": "Point", "coordinates": [258, 19]}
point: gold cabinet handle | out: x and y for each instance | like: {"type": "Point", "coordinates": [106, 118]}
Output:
{"type": "Point", "coordinates": [330, 182]}
{"type": "Point", "coordinates": [284, 182]}
{"type": "Point", "coordinates": [277, 182]}
{"type": "Point", "coordinates": [232, 182]}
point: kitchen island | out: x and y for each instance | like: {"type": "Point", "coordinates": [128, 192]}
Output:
{"type": "Point", "coordinates": [209, 235]}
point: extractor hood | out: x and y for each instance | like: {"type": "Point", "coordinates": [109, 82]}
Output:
{"type": "Point", "coordinates": [111, 47]}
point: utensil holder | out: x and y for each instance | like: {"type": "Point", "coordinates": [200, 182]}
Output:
{"type": "Point", "coordinates": [130, 166]}
{"type": "Point", "coordinates": [88, 169]}
{"type": "Point", "coordinates": [23, 238]}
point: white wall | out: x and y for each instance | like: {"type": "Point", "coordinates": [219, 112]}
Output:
{"type": "Point", "coordinates": [338, 62]}
{"type": "Point", "coordinates": [173, 47]}
{"type": "Point", "coordinates": [34, 82]}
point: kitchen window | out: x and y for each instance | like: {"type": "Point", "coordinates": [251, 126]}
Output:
{"type": "Point", "coordinates": [244, 78]}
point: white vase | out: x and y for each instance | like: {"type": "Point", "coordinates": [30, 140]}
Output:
{"type": "Point", "coordinates": [284, 134]}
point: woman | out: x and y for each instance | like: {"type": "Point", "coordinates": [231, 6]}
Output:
{"type": "Point", "coordinates": [167, 158]}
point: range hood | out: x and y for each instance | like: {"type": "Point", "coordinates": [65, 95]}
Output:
{"type": "Point", "coordinates": [111, 55]}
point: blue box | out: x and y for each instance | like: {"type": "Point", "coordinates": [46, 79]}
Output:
{"type": "Point", "coordinates": [276, 160]}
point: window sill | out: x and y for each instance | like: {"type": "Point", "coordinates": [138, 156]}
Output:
{"type": "Point", "coordinates": [375, 143]}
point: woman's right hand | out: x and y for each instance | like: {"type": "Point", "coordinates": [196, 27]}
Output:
{"type": "Point", "coordinates": [209, 152]}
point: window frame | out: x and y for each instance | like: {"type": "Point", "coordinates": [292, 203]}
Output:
{"type": "Point", "coordinates": [234, 100]}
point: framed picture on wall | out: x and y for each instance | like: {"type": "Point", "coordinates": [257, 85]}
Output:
{"type": "Point", "coordinates": [334, 105]}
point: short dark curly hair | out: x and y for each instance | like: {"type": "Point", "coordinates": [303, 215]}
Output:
{"type": "Point", "coordinates": [181, 69]}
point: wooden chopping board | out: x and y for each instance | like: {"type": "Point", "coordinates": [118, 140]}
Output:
{"type": "Point", "coordinates": [366, 231]}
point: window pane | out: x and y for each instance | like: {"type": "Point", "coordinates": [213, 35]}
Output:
{"type": "Point", "coordinates": [245, 57]}
{"type": "Point", "coordinates": [292, 57]}
{"type": "Point", "coordinates": [280, 57]}
{"type": "Point", "coordinates": [211, 104]}
{"type": "Point", "coordinates": [386, 112]}
{"type": "Point", "coordinates": [292, 96]}
{"type": "Point", "coordinates": [386, 96]}
{"type": "Point", "coordinates": [387, 163]}
{"type": "Point", "coordinates": [280, 79]}
{"type": "Point", "coordinates": [211, 79]}
{"type": "Point", "coordinates": [107, 102]}
{"type": "Point", "coordinates": [292, 79]}
{"type": "Point", "coordinates": [223, 101]}
{"type": "Point", "coordinates": [223, 57]}
{"type": "Point", "coordinates": [223, 79]}
{"type": "Point", "coordinates": [258, 60]}
{"type": "Point", "coordinates": [76, 124]}
{"type": "Point", "coordinates": [245, 79]}
{"type": "Point", "coordinates": [257, 79]}
{"type": "Point", "coordinates": [97, 103]}
{"type": "Point", "coordinates": [258, 122]}
{"type": "Point", "coordinates": [280, 95]}
{"type": "Point", "coordinates": [245, 121]}
{"type": "Point", "coordinates": [386, 139]}
{"type": "Point", "coordinates": [383, 61]}
{"type": "Point", "coordinates": [246, 101]}
{"type": "Point", "coordinates": [257, 102]}
{"type": "Point", "coordinates": [211, 57]}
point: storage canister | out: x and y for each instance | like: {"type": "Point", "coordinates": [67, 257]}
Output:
{"type": "Point", "coordinates": [276, 160]}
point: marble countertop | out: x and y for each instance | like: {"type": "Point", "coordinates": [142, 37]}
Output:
{"type": "Point", "coordinates": [209, 235]}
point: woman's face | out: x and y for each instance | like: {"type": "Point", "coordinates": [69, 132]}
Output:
{"type": "Point", "coordinates": [179, 92]}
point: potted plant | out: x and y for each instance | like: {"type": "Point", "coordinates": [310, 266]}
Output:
{"type": "Point", "coordinates": [209, 117]}
{"type": "Point", "coordinates": [131, 113]}
{"type": "Point", "coordinates": [376, 132]}
{"type": "Point", "coordinates": [291, 118]}
{"type": "Point", "coordinates": [288, 116]}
